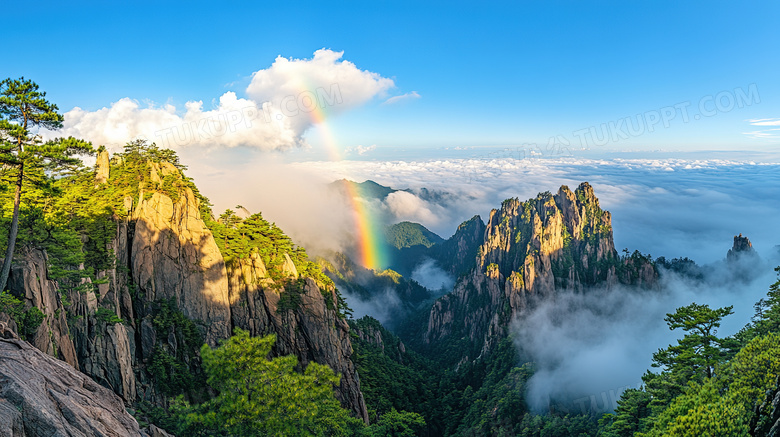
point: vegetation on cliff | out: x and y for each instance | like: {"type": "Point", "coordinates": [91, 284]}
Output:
{"type": "Point", "coordinates": [258, 396]}
{"type": "Point", "coordinates": [78, 217]}
{"type": "Point", "coordinates": [26, 160]}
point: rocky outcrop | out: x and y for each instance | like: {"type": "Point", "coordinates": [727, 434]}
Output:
{"type": "Point", "coordinates": [457, 252]}
{"type": "Point", "coordinates": [529, 251]}
{"type": "Point", "coordinates": [42, 397]}
{"type": "Point", "coordinates": [107, 354]}
{"type": "Point", "coordinates": [174, 256]}
{"type": "Point", "coordinates": [766, 415]}
{"type": "Point", "coordinates": [369, 331]}
{"type": "Point", "coordinates": [29, 281]}
{"type": "Point", "coordinates": [742, 263]}
{"type": "Point", "coordinates": [302, 316]}
{"type": "Point", "coordinates": [741, 245]}
{"type": "Point", "coordinates": [102, 166]}
{"type": "Point", "coordinates": [103, 326]}
{"type": "Point", "coordinates": [167, 265]}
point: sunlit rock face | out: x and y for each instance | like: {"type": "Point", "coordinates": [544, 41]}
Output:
{"type": "Point", "coordinates": [174, 256]}
{"type": "Point", "coordinates": [531, 250]}
{"type": "Point", "coordinates": [311, 330]}
{"type": "Point", "coordinates": [742, 246]}
{"type": "Point", "coordinates": [165, 253]}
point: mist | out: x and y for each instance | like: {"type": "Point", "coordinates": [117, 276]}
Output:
{"type": "Point", "coordinates": [431, 276]}
{"type": "Point", "coordinates": [299, 202]}
{"type": "Point", "coordinates": [587, 348]}
{"type": "Point", "coordinates": [383, 306]}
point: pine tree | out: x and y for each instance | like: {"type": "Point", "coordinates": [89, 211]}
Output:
{"type": "Point", "coordinates": [262, 396]}
{"type": "Point", "coordinates": [700, 349]}
{"type": "Point", "coordinates": [23, 111]}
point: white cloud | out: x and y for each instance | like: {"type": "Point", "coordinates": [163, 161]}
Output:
{"type": "Point", "coordinates": [360, 149]}
{"type": "Point", "coordinates": [406, 206]}
{"type": "Point", "coordinates": [284, 101]}
{"type": "Point", "coordinates": [337, 84]}
{"type": "Point", "coordinates": [767, 134]}
{"type": "Point", "coordinates": [408, 96]}
{"type": "Point", "coordinates": [300, 202]}
{"type": "Point", "coordinates": [431, 276]}
{"type": "Point", "coordinates": [584, 345]}
{"type": "Point", "coordinates": [765, 122]}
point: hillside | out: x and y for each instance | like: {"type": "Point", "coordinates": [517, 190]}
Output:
{"type": "Point", "coordinates": [130, 283]}
{"type": "Point", "coordinates": [407, 234]}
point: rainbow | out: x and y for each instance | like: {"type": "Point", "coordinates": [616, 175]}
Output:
{"type": "Point", "coordinates": [371, 249]}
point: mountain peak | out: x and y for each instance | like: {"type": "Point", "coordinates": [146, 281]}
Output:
{"type": "Point", "coordinates": [742, 246]}
{"type": "Point", "coordinates": [529, 251]}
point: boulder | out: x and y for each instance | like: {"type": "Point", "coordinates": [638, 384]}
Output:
{"type": "Point", "coordinates": [41, 396]}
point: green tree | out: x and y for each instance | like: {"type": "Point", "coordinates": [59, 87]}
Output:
{"type": "Point", "coordinates": [753, 370]}
{"type": "Point", "coordinates": [692, 359]}
{"type": "Point", "coordinates": [632, 409]}
{"type": "Point", "coordinates": [702, 411]}
{"type": "Point", "coordinates": [767, 317]}
{"type": "Point", "coordinates": [700, 350]}
{"type": "Point", "coordinates": [264, 397]}
{"type": "Point", "coordinates": [24, 110]}
{"type": "Point", "coordinates": [396, 424]}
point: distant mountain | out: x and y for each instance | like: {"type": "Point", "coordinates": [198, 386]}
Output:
{"type": "Point", "coordinates": [455, 255]}
{"type": "Point", "coordinates": [367, 190]}
{"type": "Point", "coordinates": [408, 234]}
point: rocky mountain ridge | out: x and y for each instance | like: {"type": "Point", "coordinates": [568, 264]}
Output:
{"type": "Point", "coordinates": [529, 251]}
{"type": "Point", "coordinates": [169, 290]}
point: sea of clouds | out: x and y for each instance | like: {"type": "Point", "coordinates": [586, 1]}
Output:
{"type": "Point", "coordinates": [670, 207]}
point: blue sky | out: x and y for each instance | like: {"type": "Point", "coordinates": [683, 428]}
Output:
{"type": "Point", "coordinates": [499, 74]}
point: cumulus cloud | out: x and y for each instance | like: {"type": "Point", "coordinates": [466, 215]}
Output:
{"type": "Point", "coordinates": [290, 84]}
{"type": "Point", "coordinates": [284, 100]}
{"type": "Point", "coordinates": [403, 97]}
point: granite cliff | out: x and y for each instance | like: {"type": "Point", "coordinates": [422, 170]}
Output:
{"type": "Point", "coordinates": [529, 251]}
{"type": "Point", "coordinates": [41, 397]}
{"type": "Point", "coordinates": [167, 290]}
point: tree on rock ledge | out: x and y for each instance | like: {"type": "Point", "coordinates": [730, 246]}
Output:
{"type": "Point", "coordinates": [259, 396]}
{"type": "Point", "coordinates": [23, 111]}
